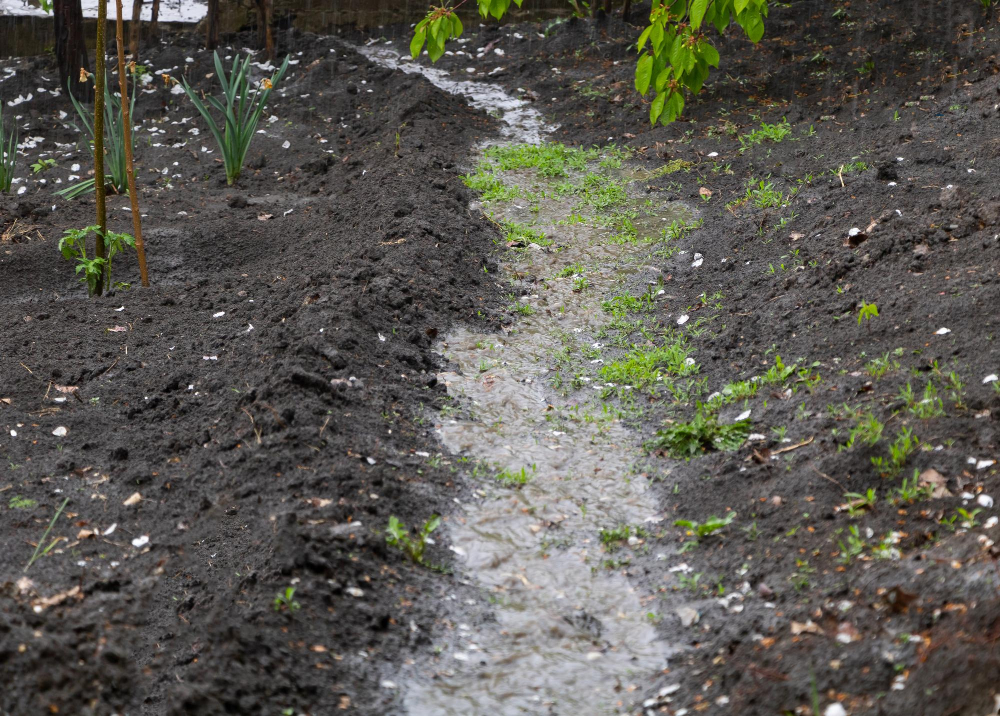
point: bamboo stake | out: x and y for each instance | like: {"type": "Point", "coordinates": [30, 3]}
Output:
{"type": "Point", "coordinates": [99, 79]}
{"type": "Point", "coordinates": [129, 170]}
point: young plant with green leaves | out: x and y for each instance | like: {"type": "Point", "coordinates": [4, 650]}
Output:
{"type": "Point", "coordinates": [396, 535]}
{"type": "Point", "coordinates": [241, 108]}
{"type": "Point", "coordinates": [700, 530]}
{"type": "Point", "coordinates": [73, 247]}
{"type": "Point", "coordinates": [285, 601]}
{"type": "Point", "coordinates": [8, 153]}
{"type": "Point", "coordinates": [114, 144]}
{"type": "Point", "coordinates": [703, 434]}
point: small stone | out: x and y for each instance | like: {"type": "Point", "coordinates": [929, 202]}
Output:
{"type": "Point", "coordinates": [688, 616]}
{"type": "Point", "coordinates": [355, 592]}
{"type": "Point", "coordinates": [60, 432]}
{"type": "Point", "coordinates": [835, 710]}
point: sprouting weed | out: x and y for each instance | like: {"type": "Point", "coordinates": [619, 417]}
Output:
{"type": "Point", "coordinates": [284, 601]}
{"type": "Point", "coordinates": [854, 547]}
{"type": "Point", "coordinates": [396, 535]}
{"type": "Point", "coordinates": [513, 478]}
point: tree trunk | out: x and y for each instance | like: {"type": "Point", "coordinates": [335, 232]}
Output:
{"type": "Point", "coordinates": [71, 50]}
{"type": "Point", "coordinates": [212, 25]}
{"type": "Point", "coordinates": [133, 29]}
{"type": "Point", "coordinates": [626, 11]}
{"type": "Point", "coordinates": [154, 21]}
{"type": "Point", "coordinates": [264, 36]}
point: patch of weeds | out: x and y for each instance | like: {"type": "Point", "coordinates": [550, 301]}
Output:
{"type": "Point", "coordinates": [868, 430]}
{"type": "Point", "coordinates": [571, 270]}
{"type": "Point", "coordinates": [778, 373]}
{"type": "Point", "coordinates": [703, 434]}
{"type": "Point", "coordinates": [523, 309]}
{"type": "Point", "coordinates": [900, 450]}
{"type": "Point", "coordinates": [620, 306]}
{"type": "Point", "coordinates": [671, 167]}
{"type": "Point", "coordinates": [515, 478]}
{"type": "Point", "coordinates": [550, 159]}
{"type": "Point", "coordinates": [612, 538]}
{"type": "Point", "coordinates": [929, 406]}
{"type": "Point", "coordinates": [854, 547]}
{"type": "Point", "coordinates": [518, 233]}
{"type": "Point", "coordinates": [613, 156]}
{"type": "Point", "coordinates": [285, 601]}
{"type": "Point", "coordinates": [741, 390]}
{"type": "Point", "coordinates": [761, 194]}
{"type": "Point", "coordinates": [767, 132]}
{"type": "Point", "coordinates": [858, 503]}
{"type": "Point", "coordinates": [700, 530]}
{"type": "Point", "coordinates": [912, 490]}
{"type": "Point", "coordinates": [644, 367]}
{"type": "Point", "coordinates": [602, 192]}
{"type": "Point", "coordinates": [489, 186]}
{"type": "Point", "coordinates": [396, 535]}
{"type": "Point", "coordinates": [21, 503]}
{"type": "Point", "coordinates": [878, 367]}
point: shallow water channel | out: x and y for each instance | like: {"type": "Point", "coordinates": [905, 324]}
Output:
{"type": "Point", "coordinates": [572, 635]}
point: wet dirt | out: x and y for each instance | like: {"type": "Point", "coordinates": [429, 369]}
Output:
{"type": "Point", "coordinates": [766, 616]}
{"type": "Point", "coordinates": [269, 445]}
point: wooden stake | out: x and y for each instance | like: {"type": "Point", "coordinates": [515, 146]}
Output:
{"type": "Point", "coordinates": [127, 120]}
{"type": "Point", "coordinates": [99, 80]}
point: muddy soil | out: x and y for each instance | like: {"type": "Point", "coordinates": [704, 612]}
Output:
{"type": "Point", "coordinates": [817, 596]}
{"type": "Point", "coordinates": [251, 421]}
{"type": "Point", "coordinates": [881, 192]}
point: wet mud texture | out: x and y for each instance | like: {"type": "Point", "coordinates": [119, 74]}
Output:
{"type": "Point", "coordinates": [911, 91]}
{"type": "Point", "coordinates": [270, 444]}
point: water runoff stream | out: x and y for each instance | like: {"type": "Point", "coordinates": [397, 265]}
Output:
{"type": "Point", "coordinates": [571, 636]}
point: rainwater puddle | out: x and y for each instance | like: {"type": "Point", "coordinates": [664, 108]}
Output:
{"type": "Point", "coordinates": [522, 122]}
{"type": "Point", "coordinates": [571, 634]}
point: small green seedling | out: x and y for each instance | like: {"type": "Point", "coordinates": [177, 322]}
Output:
{"type": "Point", "coordinates": [856, 502]}
{"type": "Point", "coordinates": [866, 313]}
{"type": "Point", "coordinates": [41, 165]}
{"type": "Point", "coordinates": [854, 547]}
{"type": "Point", "coordinates": [285, 601]}
{"type": "Point", "coordinates": [396, 535]}
{"type": "Point", "coordinates": [700, 530]}
{"type": "Point", "coordinates": [73, 246]}
{"type": "Point", "coordinates": [41, 551]}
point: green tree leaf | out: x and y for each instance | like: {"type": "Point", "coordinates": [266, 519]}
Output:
{"type": "Point", "coordinates": [698, 8]}
{"type": "Point", "coordinates": [643, 73]}
{"type": "Point", "coordinates": [417, 43]}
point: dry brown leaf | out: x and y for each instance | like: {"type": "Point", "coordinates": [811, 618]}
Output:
{"type": "Point", "coordinates": [809, 627]}
{"type": "Point", "coordinates": [935, 480]}
{"type": "Point", "coordinates": [84, 534]}
{"type": "Point", "coordinates": [264, 217]}
{"type": "Point", "coordinates": [705, 192]}
{"type": "Point", "coordinates": [55, 599]}
{"type": "Point", "coordinates": [66, 388]}
{"type": "Point", "coordinates": [317, 501]}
